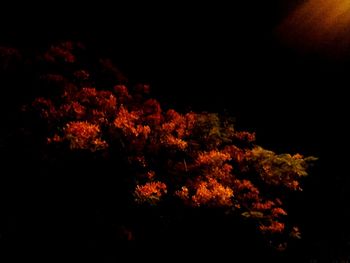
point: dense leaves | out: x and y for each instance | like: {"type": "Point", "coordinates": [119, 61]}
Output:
{"type": "Point", "coordinates": [195, 159]}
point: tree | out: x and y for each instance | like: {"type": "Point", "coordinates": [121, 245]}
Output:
{"type": "Point", "coordinates": [88, 111]}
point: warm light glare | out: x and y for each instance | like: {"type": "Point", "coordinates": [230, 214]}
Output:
{"type": "Point", "coordinates": [318, 24]}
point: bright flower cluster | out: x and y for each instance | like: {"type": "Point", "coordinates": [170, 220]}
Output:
{"type": "Point", "coordinates": [150, 192]}
{"type": "Point", "coordinates": [83, 136]}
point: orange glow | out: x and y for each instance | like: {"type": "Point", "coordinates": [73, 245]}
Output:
{"type": "Point", "coordinates": [318, 24]}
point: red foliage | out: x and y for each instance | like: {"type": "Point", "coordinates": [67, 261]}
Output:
{"type": "Point", "coordinates": [197, 158]}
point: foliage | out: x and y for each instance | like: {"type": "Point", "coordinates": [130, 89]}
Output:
{"type": "Point", "coordinates": [196, 159]}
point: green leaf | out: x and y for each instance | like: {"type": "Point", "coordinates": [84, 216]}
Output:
{"type": "Point", "coordinates": [246, 214]}
{"type": "Point", "coordinates": [254, 214]}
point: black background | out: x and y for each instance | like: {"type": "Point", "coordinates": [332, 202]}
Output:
{"type": "Point", "coordinates": [226, 58]}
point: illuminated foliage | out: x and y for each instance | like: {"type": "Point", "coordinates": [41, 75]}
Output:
{"type": "Point", "coordinates": [83, 136]}
{"type": "Point", "coordinates": [150, 192]}
{"type": "Point", "coordinates": [198, 159]}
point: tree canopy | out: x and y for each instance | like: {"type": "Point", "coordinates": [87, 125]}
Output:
{"type": "Point", "coordinates": [87, 110]}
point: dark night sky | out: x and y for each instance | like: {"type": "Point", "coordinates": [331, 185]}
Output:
{"type": "Point", "coordinates": [215, 58]}
{"type": "Point", "coordinates": [231, 58]}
